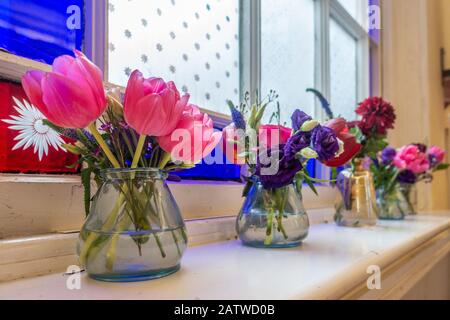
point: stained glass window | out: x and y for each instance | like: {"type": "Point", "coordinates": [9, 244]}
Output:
{"type": "Point", "coordinates": [20, 126]}
{"type": "Point", "coordinates": [41, 29]}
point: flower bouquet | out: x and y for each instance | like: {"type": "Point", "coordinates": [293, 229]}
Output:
{"type": "Point", "coordinates": [358, 205]}
{"type": "Point", "coordinates": [397, 171]}
{"type": "Point", "coordinates": [134, 229]}
{"type": "Point", "coordinates": [275, 158]}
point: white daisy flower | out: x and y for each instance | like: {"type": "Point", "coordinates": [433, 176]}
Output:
{"type": "Point", "coordinates": [32, 130]}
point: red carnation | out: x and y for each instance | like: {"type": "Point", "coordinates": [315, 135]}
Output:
{"type": "Point", "coordinates": [377, 116]}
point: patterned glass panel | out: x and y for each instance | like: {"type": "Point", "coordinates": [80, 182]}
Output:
{"type": "Point", "coordinates": [287, 53]}
{"type": "Point", "coordinates": [192, 42]}
{"type": "Point", "coordinates": [343, 65]}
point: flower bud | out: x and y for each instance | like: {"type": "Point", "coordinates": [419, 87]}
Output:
{"type": "Point", "coordinates": [308, 153]}
{"type": "Point", "coordinates": [309, 125]}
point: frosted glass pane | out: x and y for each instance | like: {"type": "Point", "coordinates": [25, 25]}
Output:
{"type": "Point", "coordinates": [351, 6]}
{"type": "Point", "coordinates": [192, 42]}
{"type": "Point", "coordinates": [343, 66]}
{"type": "Point", "coordinates": [287, 53]}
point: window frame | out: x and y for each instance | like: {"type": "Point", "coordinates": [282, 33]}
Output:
{"type": "Point", "coordinates": [95, 47]}
{"type": "Point", "coordinates": [13, 67]}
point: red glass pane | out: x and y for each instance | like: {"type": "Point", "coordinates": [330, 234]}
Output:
{"type": "Point", "coordinates": [25, 161]}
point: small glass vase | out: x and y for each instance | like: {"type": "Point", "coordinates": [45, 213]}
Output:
{"type": "Point", "coordinates": [134, 230]}
{"type": "Point", "coordinates": [358, 204]}
{"type": "Point", "coordinates": [393, 204]}
{"type": "Point", "coordinates": [410, 195]}
{"type": "Point", "coordinates": [272, 218]}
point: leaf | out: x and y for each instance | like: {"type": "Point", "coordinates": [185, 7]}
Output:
{"type": "Point", "coordinates": [299, 183]}
{"type": "Point", "coordinates": [374, 145]}
{"type": "Point", "coordinates": [442, 166]}
{"type": "Point", "coordinates": [334, 175]}
{"type": "Point", "coordinates": [86, 182]}
{"type": "Point", "coordinates": [311, 185]}
{"type": "Point", "coordinates": [260, 113]}
{"type": "Point", "coordinates": [73, 149]}
{"type": "Point", "coordinates": [51, 125]}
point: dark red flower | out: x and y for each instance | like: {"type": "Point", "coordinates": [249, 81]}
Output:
{"type": "Point", "coordinates": [377, 116]}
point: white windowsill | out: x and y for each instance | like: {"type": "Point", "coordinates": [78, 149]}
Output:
{"type": "Point", "coordinates": [331, 264]}
{"type": "Point", "coordinates": [54, 203]}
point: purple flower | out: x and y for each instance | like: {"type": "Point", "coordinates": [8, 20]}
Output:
{"type": "Point", "coordinates": [422, 148]}
{"type": "Point", "coordinates": [297, 143]}
{"type": "Point", "coordinates": [325, 143]}
{"type": "Point", "coordinates": [433, 160]}
{"type": "Point", "coordinates": [287, 168]}
{"type": "Point", "coordinates": [106, 127]}
{"type": "Point", "coordinates": [407, 176]}
{"type": "Point", "coordinates": [298, 119]}
{"type": "Point", "coordinates": [388, 155]}
{"type": "Point", "coordinates": [238, 118]}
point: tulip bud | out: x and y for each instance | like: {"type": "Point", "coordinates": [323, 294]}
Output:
{"type": "Point", "coordinates": [309, 125]}
{"type": "Point", "coordinates": [308, 153]}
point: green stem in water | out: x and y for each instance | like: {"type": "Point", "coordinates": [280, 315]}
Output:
{"type": "Point", "coordinates": [98, 137]}
{"type": "Point", "coordinates": [138, 153]}
{"type": "Point", "coordinates": [280, 199]}
{"type": "Point", "coordinates": [269, 231]}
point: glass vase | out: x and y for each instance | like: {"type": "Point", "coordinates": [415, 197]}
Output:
{"type": "Point", "coordinates": [272, 218]}
{"type": "Point", "coordinates": [134, 230]}
{"type": "Point", "coordinates": [410, 195]}
{"type": "Point", "coordinates": [357, 206]}
{"type": "Point", "coordinates": [393, 204]}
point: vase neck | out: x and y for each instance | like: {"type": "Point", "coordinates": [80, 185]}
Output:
{"type": "Point", "coordinates": [131, 174]}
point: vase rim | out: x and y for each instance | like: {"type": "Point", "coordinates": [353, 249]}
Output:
{"type": "Point", "coordinates": [126, 173]}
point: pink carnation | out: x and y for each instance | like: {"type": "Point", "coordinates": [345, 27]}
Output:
{"type": "Point", "coordinates": [410, 158]}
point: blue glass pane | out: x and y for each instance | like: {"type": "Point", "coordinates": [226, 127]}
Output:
{"type": "Point", "coordinates": [41, 29]}
{"type": "Point", "coordinates": [207, 171]}
{"type": "Point", "coordinates": [311, 167]}
{"type": "Point", "coordinates": [224, 172]}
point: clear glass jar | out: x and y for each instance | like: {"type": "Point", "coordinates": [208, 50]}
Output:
{"type": "Point", "coordinates": [410, 194]}
{"type": "Point", "coordinates": [357, 206]}
{"type": "Point", "coordinates": [134, 230]}
{"type": "Point", "coordinates": [392, 204]}
{"type": "Point", "coordinates": [272, 218]}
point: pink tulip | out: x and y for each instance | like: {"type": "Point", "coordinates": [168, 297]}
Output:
{"type": "Point", "coordinates": [437, 153]}
{"type": "Point", "coordinates": [193, 138]}
{"type": "Point", "coordinates": [409, 157]}
{"type": "Point", "coordinates": [272, 135]}
{"type": "Point", "coordinates": [152, 106]}
{"type": "Point", "coordinates": [72, 95]}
